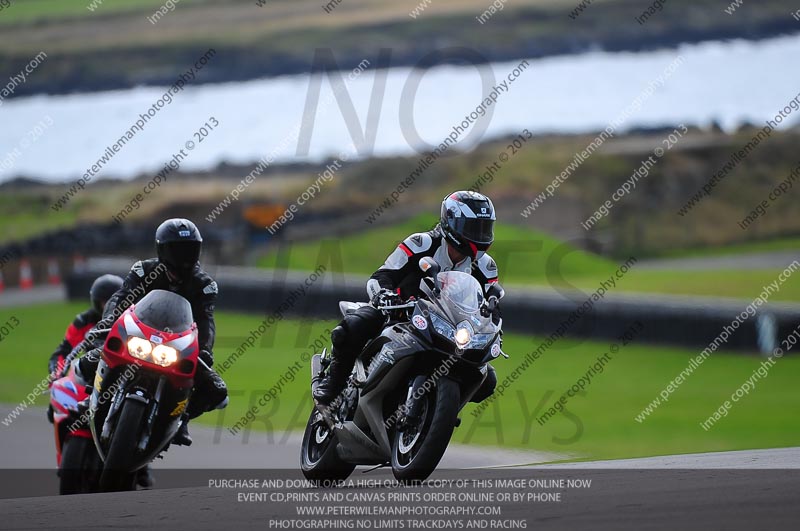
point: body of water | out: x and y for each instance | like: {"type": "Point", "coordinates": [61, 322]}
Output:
{"type": "Point", "coordinates": [60, 137]}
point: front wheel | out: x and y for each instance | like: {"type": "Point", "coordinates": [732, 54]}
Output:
{"type": "Point", "coordinates": [80, 466]}
{"type": "Point", "coordinates": [417, 450]}
{"type": "Point", "coordinates": [318, 458]}
{"type": "Point", "coordinates": [116, 474]}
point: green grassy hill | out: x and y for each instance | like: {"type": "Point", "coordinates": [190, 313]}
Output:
{"type": "Point", "coordinates": [28, 11]}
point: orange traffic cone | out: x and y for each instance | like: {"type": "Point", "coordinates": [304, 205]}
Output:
{"type": "Point", "coordinates": [25, 274]}
{"type": "Point", "coordinates": [53, 274]}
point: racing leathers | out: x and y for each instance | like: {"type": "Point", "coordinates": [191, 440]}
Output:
{"type": "Point", "coordinates": [75, 334]}
{"type": "Point", "coordinates": [400, 274]}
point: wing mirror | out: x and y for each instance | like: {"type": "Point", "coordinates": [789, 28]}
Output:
{"type": "Point", "coordinates": [495, 290]}
{"type": "Point", "coordinates": [431, 268]}
{"type": "Point", "coordinates": [494, 293]}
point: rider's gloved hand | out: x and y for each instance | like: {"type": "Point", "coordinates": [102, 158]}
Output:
{"type": "Point", "coordinates": [80, 371]}
{"type": "Point", "coordinates": [385, 297]}
{"type": "Point", "coordinates": [491, 308]}
{"type": "Point", "coordinates": [52, 367]}
{"type": "Point", "coordinates": [207, 357]}
{"type": "Point", "coordinates": [86, 366]}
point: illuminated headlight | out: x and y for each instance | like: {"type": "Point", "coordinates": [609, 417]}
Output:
{"type": "Point", "coordinates": [463, 337]}
{"type": "Point", "coordinates": [464, 333]}
{"type": "Point", "coordinates": [164, 355]}
{"type": "Point", "coordinates": [140, 348]}
{"type": "Point", "coordinates": [160, 354]}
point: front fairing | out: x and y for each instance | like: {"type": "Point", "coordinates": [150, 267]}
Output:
{"type": "Point", "coordinates": [162, 320]}
{"type": "Point", "coordinates": [456, 305]}
{"type": "Point", "coordinates": [65, 394]}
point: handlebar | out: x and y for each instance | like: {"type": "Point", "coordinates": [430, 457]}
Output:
{"type": "Point", "coordinates": [398, 306]}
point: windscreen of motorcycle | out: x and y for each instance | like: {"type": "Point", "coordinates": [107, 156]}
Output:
{"type": "Point", "coordinates": [164, 310]}
{"type": "Point", "coordinates": [461, 296]}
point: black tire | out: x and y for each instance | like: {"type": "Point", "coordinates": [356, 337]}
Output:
{"type": "Point", "coordinates": [79, 466]}
{"type": "Point", "coordinates": [441, 412]}
{"type": "Point", "coordinates": [318, 458]}
{"type": "Point", "coordinates": [117, 475]}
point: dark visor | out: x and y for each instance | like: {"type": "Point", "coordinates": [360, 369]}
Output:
{"type": "Point", "coordinates": [477, 230]}
{"type": "Point", "coordinates": [183, 254]}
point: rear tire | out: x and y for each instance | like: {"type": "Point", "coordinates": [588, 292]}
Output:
{"type": "Point", "coordinates": [416, 455]}
{"type": "Point", "coordinates": [319, 460]}
{"type": "Point", "coordinates": [117, 475]}
{"type": "Point", "coordinates": [79, 466]}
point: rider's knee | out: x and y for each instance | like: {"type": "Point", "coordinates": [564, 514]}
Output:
{"type": "Point", "coordinates": [365, 323]}
{"type": "Point", "coordinates": [356, 329]}
{"type": "Point", "coordinates": [339, 335]}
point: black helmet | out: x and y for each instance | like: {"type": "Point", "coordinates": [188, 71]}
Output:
{"type": "Point", "coordinates": [467, 222]}
{"type": "Point", "coordinates": [102, 289]}
{"type": "Point", "coordinates": [178, 244]}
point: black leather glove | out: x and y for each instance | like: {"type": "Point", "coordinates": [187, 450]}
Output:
{"type": "Point", "coordinates": [52, 365]}
{"type": "Point", "coordinates": [385, 297]}
{"type": "Point", "coordinates": [491, 307]}
{"type": "Point", "coordinates": [207, 357]}
{"type": "Point", "coordinates": [86, 366]}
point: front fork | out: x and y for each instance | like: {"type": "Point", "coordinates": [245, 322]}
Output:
{"type": "Point", "coordinates": [139, 395]}
{"type": "Point", "coordinates": [414, 401]}
{"type": "Point", "coordinates": [148, 427]}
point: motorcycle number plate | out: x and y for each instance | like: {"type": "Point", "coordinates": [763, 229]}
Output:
{"type": "Point", "coordinates": [420, 322]}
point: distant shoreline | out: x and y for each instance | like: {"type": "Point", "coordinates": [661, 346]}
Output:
{"type": "Point", "coordinates": [96, 70]}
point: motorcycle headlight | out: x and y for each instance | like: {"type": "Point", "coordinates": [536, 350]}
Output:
{"type": "Point", "coordinates": [139, 348]}
{"type": "Point", "coordinates": [463, 337]}
{"type": "Point", "coordinates": [145, 350]}
{"type": "Point", "coordinates": [480, 340]}
{"type": "Point", "coordinates": [442, 327]}
{"type": "Point", "coordinates": [164, 355]}
{"type": "Point", "coordinates": [464, 334]}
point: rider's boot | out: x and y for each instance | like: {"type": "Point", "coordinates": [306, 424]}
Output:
{"type": "Point", "coordinates": [348, 338]}
{"type": "Point", "coordinates": [334, 381]}
{"type": "Point", "coordinates": [210, 392]}
{"type": "Point", "coordinates": [182, 437]}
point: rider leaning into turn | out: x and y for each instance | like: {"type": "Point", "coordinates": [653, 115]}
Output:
{"type": "Point", "coordinates": [458, 243]}
{"type": "Point", "coordinates": [176, 269]}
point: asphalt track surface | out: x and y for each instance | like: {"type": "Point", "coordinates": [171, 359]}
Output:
{"type": "Point", "coordinates": [28, 444]}
{"type": "Point", "coordinates": [13, 297]}
{"type": "Point", "coordinates": [756, 489]}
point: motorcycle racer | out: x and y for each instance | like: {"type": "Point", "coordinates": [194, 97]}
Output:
{"type": "Point", "coordinates": [103, 288]}
{"type": "Point", "coordinates": [458, 243]}
{"type": "Point", "coordinates": [101, 291]}
{"type": "Point", "coordinates": [176, 269]}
